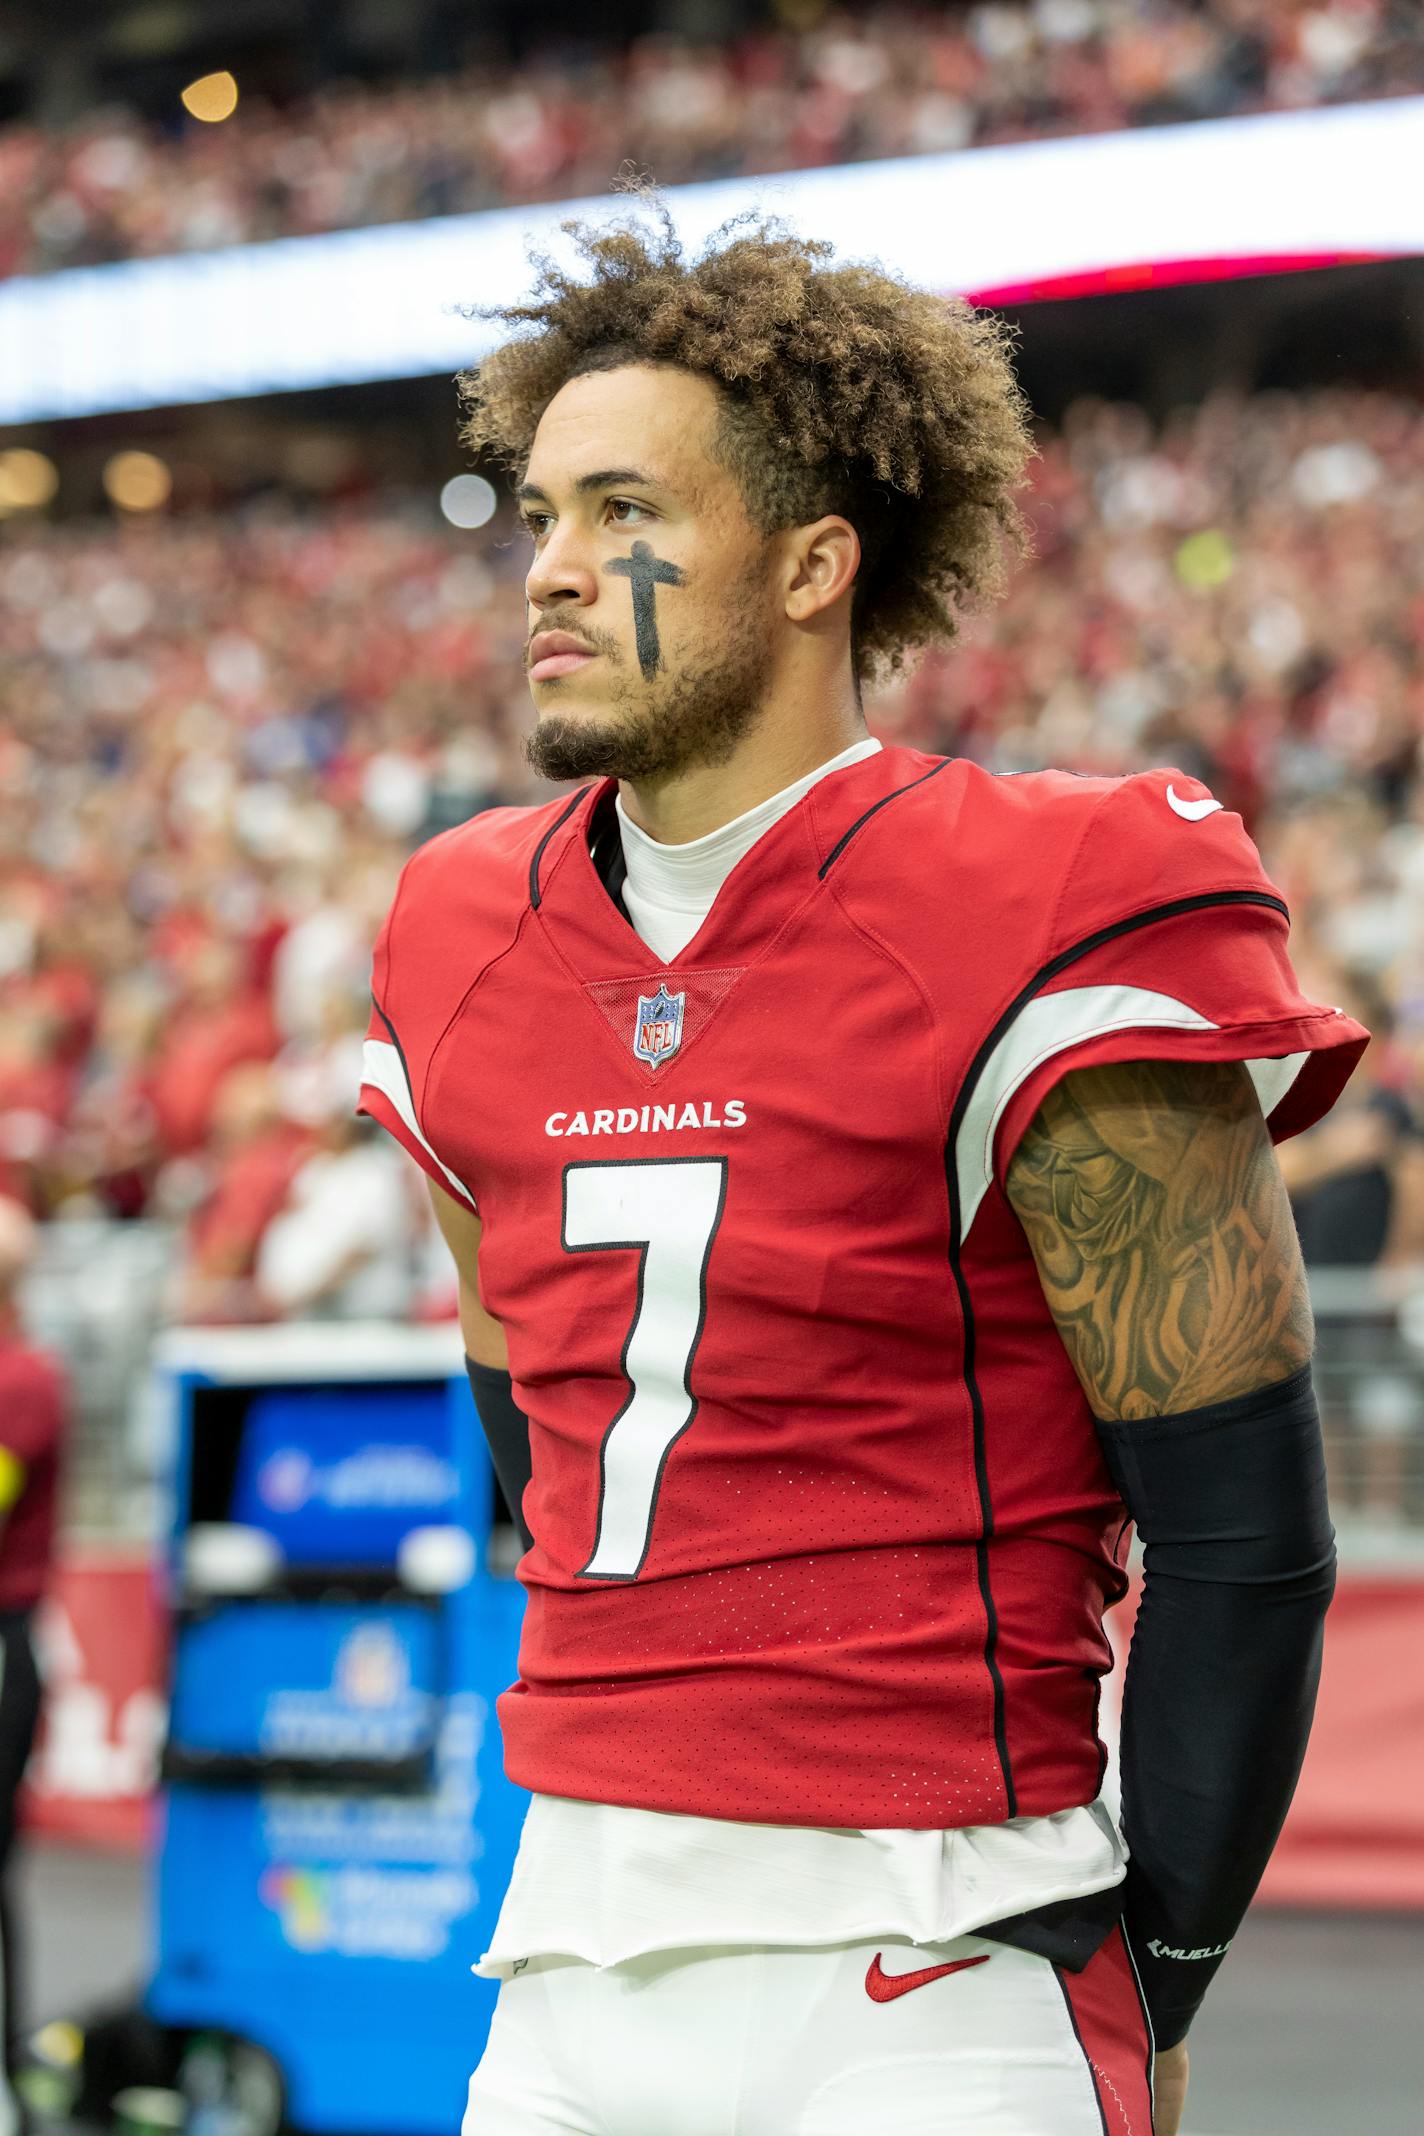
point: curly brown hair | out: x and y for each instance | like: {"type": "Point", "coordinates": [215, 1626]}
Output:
{"type": "Point", "coordinates": [843, 390]}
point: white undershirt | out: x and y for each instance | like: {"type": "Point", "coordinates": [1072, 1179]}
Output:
{"type": "Point", "coordinates": [604, 1883]}
{"type": "Point", "coordinates": [671, 888]}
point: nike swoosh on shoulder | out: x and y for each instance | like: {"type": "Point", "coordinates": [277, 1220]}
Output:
{"type": "Point", "coordinates": [1192, 810]}
{"type": "Point", "coordinates": [884, 1987]}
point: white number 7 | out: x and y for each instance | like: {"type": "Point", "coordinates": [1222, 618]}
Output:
{"type": "Point", "coordinates": [669, 1208]}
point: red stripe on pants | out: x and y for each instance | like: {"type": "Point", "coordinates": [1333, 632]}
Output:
{"type": "Point", "coordinates": [1106, 2009]}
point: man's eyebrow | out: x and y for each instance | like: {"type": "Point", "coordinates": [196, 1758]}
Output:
{"type": "Point", "coordinates": [599, 478]}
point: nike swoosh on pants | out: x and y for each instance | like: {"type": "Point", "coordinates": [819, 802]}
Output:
{"type": "Point", "coordinates": [884, 1987]}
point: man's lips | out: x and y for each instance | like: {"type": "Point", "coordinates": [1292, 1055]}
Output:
{"type": "Point", "coordinates": [558, 664]}
{"type": "Point", "coordinates": [557, 652]}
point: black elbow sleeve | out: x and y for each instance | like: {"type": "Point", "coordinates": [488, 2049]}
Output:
{"type": "Point", "coordinates": [506, 1428]}
{"type": "Point", "coordinates": [1239, 1568]}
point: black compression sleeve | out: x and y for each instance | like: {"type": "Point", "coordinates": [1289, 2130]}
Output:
{"type": "Point", "coordinates": [507, 1429]}
{"type": "Point", "coordinates": [1239, 1567]}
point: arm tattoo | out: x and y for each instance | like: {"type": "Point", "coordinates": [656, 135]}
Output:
{"type": "Point", "coordinates": [1163, 1236]}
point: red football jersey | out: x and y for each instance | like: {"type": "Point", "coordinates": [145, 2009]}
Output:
{"type": "Point", "coordinates": [822, 1533]}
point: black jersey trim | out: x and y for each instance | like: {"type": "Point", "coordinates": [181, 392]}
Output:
{"type": "Point", "coordinates": [557, 824]}
{"type": "Point", "coordinates": [400, 1050]}
{"type": "Point", "coordinates": [884, 802]}
{"type": "Point", "coordinates": [1071, 955]}
{"type": "Point", "coordinates": [1055, 965]}
{"type": "Point", "coordinates": [986, 1511]}
{"type": "Point", "coordinates": [610, 862]}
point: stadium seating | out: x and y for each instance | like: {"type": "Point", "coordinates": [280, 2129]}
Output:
{"type": "Point", "coordinates": [909, 80]}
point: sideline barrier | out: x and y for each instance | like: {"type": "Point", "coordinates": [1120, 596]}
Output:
{"type": "Point", "coordinates": [1354, 1839]}
{"type": "Point", "coordinates": [1355, 1835]}
{"type": "Point", "coordinates": [101, 1639]}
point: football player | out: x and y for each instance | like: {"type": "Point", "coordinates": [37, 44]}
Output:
{"type": "Point", "coordinates": [859, 1173]}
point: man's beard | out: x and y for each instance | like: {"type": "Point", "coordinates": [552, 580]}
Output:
{"type": "Point", "coordinates": [696, 717]}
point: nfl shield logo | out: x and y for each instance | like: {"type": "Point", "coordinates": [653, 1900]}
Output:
{"type": "Point", "coordinates": [659, 1032]}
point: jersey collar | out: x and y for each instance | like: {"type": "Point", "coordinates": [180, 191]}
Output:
{"type": "Point", "coordinates": [787, 865]}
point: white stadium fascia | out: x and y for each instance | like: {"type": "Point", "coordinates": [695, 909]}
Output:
{"type": "Point", "coordinates": [1104, 211]}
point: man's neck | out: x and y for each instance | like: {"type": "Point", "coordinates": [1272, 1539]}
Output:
{"type": "Point", "coordinates": [691, 803]}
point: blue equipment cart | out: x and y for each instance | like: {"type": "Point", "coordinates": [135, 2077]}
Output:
{"type": "Point", "coordinates": [338, 1831]}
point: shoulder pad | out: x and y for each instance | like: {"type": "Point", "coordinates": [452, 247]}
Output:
{"type": "Point", "coordinates": [1156, 838]}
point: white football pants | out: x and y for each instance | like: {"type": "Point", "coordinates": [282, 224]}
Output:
{"type": "Point", "coordinates": [866, 2039]}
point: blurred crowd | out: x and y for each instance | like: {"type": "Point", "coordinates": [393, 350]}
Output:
{"type": "Point", "coordinates": [903, 81]}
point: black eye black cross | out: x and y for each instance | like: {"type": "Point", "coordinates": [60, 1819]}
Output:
{"type": "Point", "coordinates": [645, 571]}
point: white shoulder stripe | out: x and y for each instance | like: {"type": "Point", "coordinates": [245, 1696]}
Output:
{"type": "Point", "coordinates": [1274, 1078]}
{"type": "Point", "coordinates": [383, 1070]}
{"type": "Point", "coordinates": [1051, 1023]}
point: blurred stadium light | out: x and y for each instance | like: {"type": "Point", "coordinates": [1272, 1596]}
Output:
{"type": "Point", "coordinates": [212, 98]}
{"type": "Point", "coordinates": [468, 501]}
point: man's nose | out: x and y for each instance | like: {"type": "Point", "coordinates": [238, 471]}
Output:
{"type": "Point", "coordinates": [562, 570]}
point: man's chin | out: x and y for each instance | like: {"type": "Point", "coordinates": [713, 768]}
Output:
{"type": "Point", "coordinates": [577, 742]}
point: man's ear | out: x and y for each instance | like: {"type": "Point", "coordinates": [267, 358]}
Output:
{"type": "Point", "coordinates": [824, 559]}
